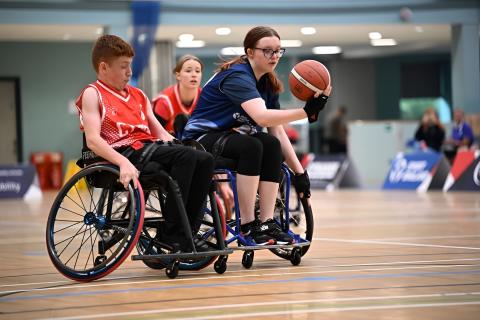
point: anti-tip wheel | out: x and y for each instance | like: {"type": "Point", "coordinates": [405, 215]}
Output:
{"type": "Point", "coordinates": [296, 256]}
{"type": "Point", "coordinates": [247, 259]}
{"type": "Point", "coordinates": [172, 271]}
{"type": "Point", "coordinates": [220, 265]}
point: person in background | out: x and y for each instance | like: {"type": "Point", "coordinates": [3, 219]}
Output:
{"type": "Point", "coordinates": [462, 135]}
{"type": "Point", "coordinates": [174, 105]}
{"type": "Point", "coordinates": [430, 132]}
{"type": "Point", "coordinates": [235, 103]}
{"type": "Point", "coordinates": [338, 130]}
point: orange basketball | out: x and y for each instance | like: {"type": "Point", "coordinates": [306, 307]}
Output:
{"type": "Point", "coordinates": [308, 77]}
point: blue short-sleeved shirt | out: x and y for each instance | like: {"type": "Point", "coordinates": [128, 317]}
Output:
{"type": "Point", "coordinates": [219, 106]}
{"type": "Point", "coordinates": [462, 131]}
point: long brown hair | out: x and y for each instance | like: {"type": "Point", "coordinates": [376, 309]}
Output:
{"type": "Point", "coordinates": [250, 42]}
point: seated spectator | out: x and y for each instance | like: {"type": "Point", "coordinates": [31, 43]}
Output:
{"type": "Point", "coordinates": [462, 135]}
{"type": "Point", "coordinates": [431, 132]}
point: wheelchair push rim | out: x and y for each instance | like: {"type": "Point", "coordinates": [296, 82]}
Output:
{"type": "Point", "coordinates": [91, 230]}
{"type": "Point", "coordinates": [298, 224]}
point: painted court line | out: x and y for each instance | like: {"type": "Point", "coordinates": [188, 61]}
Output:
{"type": "Point", "coordinates": [427, 238]}
{"type": "Point", "coordinates": [324, 310]}
{"type": "Point", "coordinates": [75, 285]}
{"type": "Point", "coordinates": [389, 222]}
{"type": "Point", "coordinates": [395, 243]}
{"type": "Point", "coordinates": [264, 275]}
{"type": "Point", "coordinates": [288, 302]}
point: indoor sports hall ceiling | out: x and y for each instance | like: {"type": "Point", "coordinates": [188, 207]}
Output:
{"type": "Point", "coordinates": [352, 39]}
{"type": "Point", "coordinates": [342, 23]}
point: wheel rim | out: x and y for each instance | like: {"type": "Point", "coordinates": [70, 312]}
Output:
{"type": "Point", "coordinates": [90, 231]}
{"type": "Point", "coordinates": [300, 222]}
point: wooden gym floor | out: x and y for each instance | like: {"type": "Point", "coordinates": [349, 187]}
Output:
{"type": "Point", "coordinates": [375, 255]}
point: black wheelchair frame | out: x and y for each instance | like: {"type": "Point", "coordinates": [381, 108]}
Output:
{"type": "Point", "coordinates": [94, 224]}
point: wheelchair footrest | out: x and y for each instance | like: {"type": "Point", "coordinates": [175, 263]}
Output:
{"type": "Point", "coordinates": [274, 246]}
{"type": "Point", "coordinates": [183, 255]}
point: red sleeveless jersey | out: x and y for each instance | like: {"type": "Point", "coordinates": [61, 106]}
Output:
{"type": "Point", "coordinates": [124, 118]}
{"type": "Point", "coordinates": [168, 105]}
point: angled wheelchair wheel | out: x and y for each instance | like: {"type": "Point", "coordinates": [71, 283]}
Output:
{"type": "Point", "coordinates": [94, 223]}
{"type": "Point", "coordinates": [207, 233]}
{"type": "Point", "coordinates": [299, 222]}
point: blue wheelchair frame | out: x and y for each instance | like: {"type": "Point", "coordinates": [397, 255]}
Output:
{"type": "Point", "coordinates": [292, 252]}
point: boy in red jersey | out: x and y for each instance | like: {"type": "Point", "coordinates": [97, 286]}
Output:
{"type": "Point", "coordinates": [115, 116]}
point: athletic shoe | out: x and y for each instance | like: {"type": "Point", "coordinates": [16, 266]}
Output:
{"type": "Point", "coordinates": [272, 229]}
{"type": "Point", "coordinates": [200, 244]}
{"type": "Point", "coordinates": [259, 235]}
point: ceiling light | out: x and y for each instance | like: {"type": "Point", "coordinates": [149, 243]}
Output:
{"type": "Point", "coordinates": [191, 44]}
{"type": "Point", "coordinates": [223, 31]}
{"type": "Point", "coordinates": [308, 30]}
{"type": "Point", "coordinates": [326, 50]}
{"type": "Point", "coordinates": [418, 28]}
{"type": "Point", "coordinates": [383, 42]}
{"type": "Point", "coordinates": [185, 37]}
{"type": "Point", "coordinates": [232, 51]}
{"type": "Point", "coordinates": [290, 43]}
{"type": "Point", "coordinates": [375, 35]}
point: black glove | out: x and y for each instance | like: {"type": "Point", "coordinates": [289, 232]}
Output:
{"type": "Point", "coordinates": [179, 124]}
{"type": "Point", "coordinates": [314, 106]}
{"type": "Point", "coordinates": [302, 184]}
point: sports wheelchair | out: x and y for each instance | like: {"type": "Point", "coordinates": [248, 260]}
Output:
{"type": "Point", "coordinates": [297, 222]}
{"type": "Point", "coordinates": [95, 223]}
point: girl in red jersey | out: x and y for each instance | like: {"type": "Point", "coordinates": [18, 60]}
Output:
{"type": "Point", "coordinates": [115, 116]}
{"type": "Point", "coordinates": [175, 104]}
{"type": "Point", "coordinates": [179, 100]}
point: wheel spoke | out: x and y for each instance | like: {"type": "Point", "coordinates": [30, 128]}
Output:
{"type": "Point", "coordinates": [79, 248]}
{"type": "Point", "coordinates": [56, 231]}
{"type": "Point", "coordinates": [69, 238]}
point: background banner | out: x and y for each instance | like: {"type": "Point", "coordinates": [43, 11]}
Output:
{"type": "Point", "coordinates": [419, 171]}
{"type": "Point", "coordinates": [19, 181]}
{"type": "Point", "coordinates": [332, 171]}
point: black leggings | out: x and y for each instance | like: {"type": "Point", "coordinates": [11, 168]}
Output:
{"type": "Point", "coordinates": [258, 154]}
{"type": "Point", "coordinates": [193, 171]}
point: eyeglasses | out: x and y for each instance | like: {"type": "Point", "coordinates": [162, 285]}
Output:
{"type": "Point", "coordinates": [268, 53]}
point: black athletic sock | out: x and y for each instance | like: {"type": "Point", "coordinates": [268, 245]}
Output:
{"type": "Point", "coordinates": [245, 228]}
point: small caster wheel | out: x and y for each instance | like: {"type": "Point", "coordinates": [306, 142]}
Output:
{"type": "Point", "coordinates": [220, 265]}
{"type": "Point", "coordinates": [296, 256]}
{"type": "Point", "coordinates": [172, 271]}
{"type": "Point", "coordinates": [99, 260]}
{"type": "Point", "coordinates": [247, 259]}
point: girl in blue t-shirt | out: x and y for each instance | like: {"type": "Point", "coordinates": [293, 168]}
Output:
{"type": "Point", "coordinates": [240, 99]}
